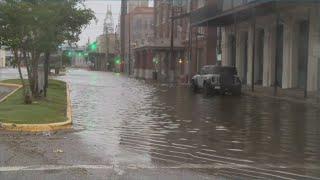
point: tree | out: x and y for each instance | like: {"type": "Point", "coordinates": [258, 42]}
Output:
{"type": "Point", "coordinates": [38, 27]}
{"type": "Point", "coordinates": [14, 30]}
{"type": "Point", "coordinates": [62, 22]}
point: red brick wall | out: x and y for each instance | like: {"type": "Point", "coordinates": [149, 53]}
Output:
{"type": "Point", "coordinates": [211, 45]}
{"type": "Point", "coordinates": [149, 59]}
{"type": "Point", "coordinates": [136, 62]}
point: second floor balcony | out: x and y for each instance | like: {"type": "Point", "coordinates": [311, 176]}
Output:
{"type": "Point", "coordinates": [224, 12]}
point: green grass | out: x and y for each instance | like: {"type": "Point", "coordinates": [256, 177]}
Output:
{"type": "Point", "coordinates": [50, 110]}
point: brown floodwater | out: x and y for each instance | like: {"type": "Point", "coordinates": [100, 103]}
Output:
{"type": "Point", "coordinates": [166, 125]}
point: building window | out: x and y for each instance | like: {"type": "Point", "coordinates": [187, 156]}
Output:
{"type": "Point", "coordinates": [201, 3]}
{"type": "Point", "coordinates": [160, 15]}
{"type": "Point", "coordinates": [167, 31]}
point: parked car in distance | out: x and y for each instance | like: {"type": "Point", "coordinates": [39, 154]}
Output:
{"type": "Point", "coordinates": [217, 79]}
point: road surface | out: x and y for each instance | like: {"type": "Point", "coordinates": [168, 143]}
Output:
{"type": "Point", "coordinates": [129, 129]}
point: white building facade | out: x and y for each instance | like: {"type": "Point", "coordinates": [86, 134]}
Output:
{"type": "Point", "coordinates": [278, 43]}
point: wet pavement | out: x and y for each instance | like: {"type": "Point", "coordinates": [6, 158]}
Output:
{"type": "Point", "coordinates": [129, 129]}
{"type": "Point", "coordinates": [4, 90]}
{"type": "Point", "coordinates": [6, 74]}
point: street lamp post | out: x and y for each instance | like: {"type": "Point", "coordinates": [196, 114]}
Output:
{"type": "Point", "coordinates": [190, 53]}
{"type": "Point", "coordinates": [197, 59]}
{"type": "Point", "coordinates": [196, 53]}
{"type": "Point", "coordinates": [129, 47]}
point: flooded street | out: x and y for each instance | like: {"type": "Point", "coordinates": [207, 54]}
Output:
{"type": "Point", "coordinates": [130, 129]}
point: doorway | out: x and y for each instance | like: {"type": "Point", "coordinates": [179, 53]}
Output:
{"type": "Point", "coordinates": [279, 55]}
{"type": "Point", "coordinates": [232, 41]}
{"type": "Point", "coordinates": [303, 53]}
{"type": "Point", "coordinates": [258, 69]}
{"type": "Point", "coordinates": [245, 58]}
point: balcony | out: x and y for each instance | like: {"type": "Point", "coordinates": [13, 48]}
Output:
{"type": "Point", "coordinates": [224, 13]}
{"type": "Point", "coordinates": [201, 15]}
{"type": "Point", "coordinates": [218, 15]}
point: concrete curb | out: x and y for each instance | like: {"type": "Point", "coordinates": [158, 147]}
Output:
{"type": "Point", "coordinates": [40, 127]}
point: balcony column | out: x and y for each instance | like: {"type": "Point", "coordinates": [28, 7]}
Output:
{"type": "Point", "coordinates": [225, 46]}
{"type": "Point", "coordinates": [240, 48]}
{"type": "Point", "coordinates": [314, 50]}
{"type": "Point", "coordinates": [250, 57]}
{"type": "Point", "coordinates": [211, 45]}
{"type": "Point", "coordinates": [149, 63]}
{"type": "Point", "coordinates": [139, 63]}
{"type": "Point", "coordinates": [136, 64]}
{"type": "Point", "coordinates": [290, 52]}
{"type": "Point", "coordinates": [143, 63]}
{"type": "Point", "coordinates": [269, 53]}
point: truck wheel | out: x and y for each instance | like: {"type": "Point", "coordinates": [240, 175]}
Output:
{"type": "Point", "coordinates": [194, 87]}
{"type": "Point", "coordinates": [236, 91]}
{"type": "Point", "coordinates": [206, 89]}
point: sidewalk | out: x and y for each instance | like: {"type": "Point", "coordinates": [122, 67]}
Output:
{"type": "Point", "coordinates": [4, 91]}
{"type": "Point", "coordinates": [294, 95]}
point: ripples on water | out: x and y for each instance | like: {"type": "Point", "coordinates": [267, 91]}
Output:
{"type": "Point", "coordinates": [246, 136]}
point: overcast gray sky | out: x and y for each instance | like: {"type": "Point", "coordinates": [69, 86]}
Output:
{"type": "Point", "coordinates": [100, 8]}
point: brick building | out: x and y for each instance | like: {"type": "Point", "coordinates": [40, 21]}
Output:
{"type": "Point", "coordinates": [138, 33]}
{"type": "Point", "coordinates": [203, 39]}
{"type": "Point", "coordinates": [193, 46]}
{"type": "Point", "coordinates": [147, 53]}
{"type": "Point", "coordinates": [167, 64]}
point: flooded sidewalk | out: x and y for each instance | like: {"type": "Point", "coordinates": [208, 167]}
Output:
{"type": "Point", "coordinates": [293, 95]}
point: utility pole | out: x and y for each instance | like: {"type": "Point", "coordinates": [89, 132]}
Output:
{"type": "Point", "coordinates": [122, 27]}
{"type": "Point", "coordinates": [190, 43]}
{"type": "Point", "coordinates": [307, 59]}
{"type": "Point", "coordinates": [190, 52]}
{"type": "Point", "coordinates": [253, 49]}
{"type": "Point", "coordinates": [129, 47]}
{"type": "Point", "coordinates": [107, 43]}
{"type": "Point", "coordinates": [219, 45]}
{"type": "Point", "coordinates": [235, 39]}
{"type": "Point", "coordinates": [116, 51]}
{"type": "Point", "coordinates": [171, 60]}
{"type": "Point", "coordinates": [275, 88]}
{"type": "Point", "coordinates": [196, 53]}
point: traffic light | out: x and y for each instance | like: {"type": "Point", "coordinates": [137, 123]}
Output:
{"type": "Point", "coordinates": [69, 53]}
{"type": "Point", "coordinates": [117, 60]}
{"type": "Point", "coordinates": [93, 46]}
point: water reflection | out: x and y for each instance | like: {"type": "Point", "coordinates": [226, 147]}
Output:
{"type": "Point", "coordinates": [165, 125]}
